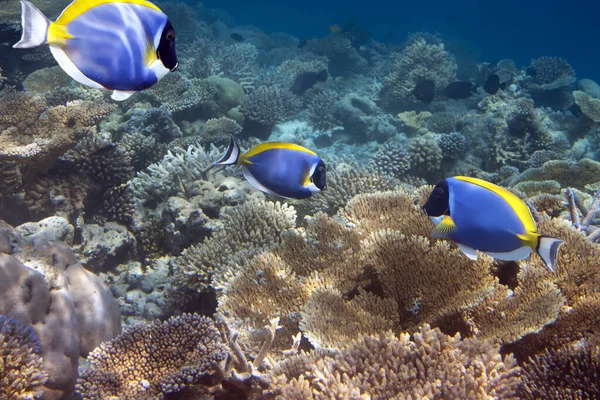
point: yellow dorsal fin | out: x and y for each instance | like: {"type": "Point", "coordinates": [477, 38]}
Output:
{"type": "Point", "coordinates": [78, 7]}
{"type": "Point", "coordinates": [516, 203]}
{"type": "Point", "coordinates": [58, 34]}
{"type": "Point", "coordinates": [276, 145]}
{"type": "Point", "coordinates": [444, 228]}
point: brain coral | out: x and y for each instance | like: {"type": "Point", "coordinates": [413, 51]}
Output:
{"type": "Point", "coordinates": [151, 361]}
{"type": "Point", "coordinates": [21, 368]}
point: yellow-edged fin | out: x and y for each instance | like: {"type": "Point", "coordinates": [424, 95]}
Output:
{"type": "Point", "coordinates": [515, 202]}
{"type": "Point", "coordinates": [306, 180]}
{"type": "Point", "coordinates": [58, 34]}
{"type": "Point", "coordinates": [444, 228]}
{"type": "Point", "coordinates": [529, 239]}
{"type": "Point", "coordinates": [276, 145]}
{"type": "Point", "coordinates": [78, 7]}
{"type": "Point", "coordinates": [149, 52]}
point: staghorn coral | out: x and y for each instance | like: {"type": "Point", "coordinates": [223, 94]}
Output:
{"type": "Point", "coordinates": [417, 62]}
{"type": "Point", "coordinates": [21, 368]}
{"type": "Point", "coordinates": [429, 365]}
{"type": "Point", "coordinates": [117, 205]}
{"type": "Point", "coordinates": [571, 372]}
{"type": "Point", "coordinates": [247, 230]}
{"type": "Point", "coordinates": [33, 133]}
{"type": "Point", "coordinates": [376, 269]}
{"type": "Point", "coordinates": [154, 360]}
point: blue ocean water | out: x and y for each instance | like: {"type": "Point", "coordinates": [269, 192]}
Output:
{"type": "Point", "coordinates": [515, 29]}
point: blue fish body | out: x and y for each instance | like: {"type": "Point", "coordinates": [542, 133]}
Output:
{"type": "Point", "coordinates": [119, 45]}
{"type": "Point", "coordinates": [110, 45]}
{"type": "Point", "coordinates": [282, 169]}
{"type": "Point", "coordinates": [484, 220]}
{"type": "Point", "coordinates": [478, 215]}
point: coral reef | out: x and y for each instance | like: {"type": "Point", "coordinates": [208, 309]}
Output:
{"type": "Point", "coordinates": [265, 107]}
{"type": "Point", "coordinates": [154, 360]}
{"type": "Point", "coordinates": [69, 308]}
{"type": "Point", "coordinates": [21, 371]}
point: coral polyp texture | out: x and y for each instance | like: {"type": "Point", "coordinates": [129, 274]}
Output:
{"type": "Point", "coordinates": [152, 361]}
{"type": "Point", "coordinates": [21, 368]}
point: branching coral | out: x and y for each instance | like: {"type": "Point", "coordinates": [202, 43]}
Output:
{"type": "Point", "coordinates": [33, 133]}
{"type": "Point", "coordinates": [21, 368]}
{"type": "Point", "coordinates": [247, 230]}
{"type": "Point", "coordinates": [320, 110]}
{"type": "Point", "coordinates": [218, 131]}
{"type": "Point", "coordinates": [571, 372]}
{"type": "Point", "coordinates": [151, 361]}
{"type": "Point", "coordinates": [428, 365]}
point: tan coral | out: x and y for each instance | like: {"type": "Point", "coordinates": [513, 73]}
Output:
{"type": "Point", "coordinates": [153, 360]}
{"type": "Point", "coordinates": [21, 368]}
{"type": "Point", "coordinates": [430, 365]}
{"type": "Point", "coordinates": [33, 133]}
{"type": "Point", "coordinates": [571, 372]}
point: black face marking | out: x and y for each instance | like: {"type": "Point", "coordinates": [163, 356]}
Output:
{"type": "Point", "coordinates": [438, 202]}
{"type": "Point", "coordinates": [318, 177]}
{"type": "Point", "coordinates": [166, 47]}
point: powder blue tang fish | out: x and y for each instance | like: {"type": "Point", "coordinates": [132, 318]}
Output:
{"type": "Point", "coordinates": [283, 169]}
{"type": "Point", "coordinates": [479, 215]}
{"type": "Point", "coordinates": [119, 45]}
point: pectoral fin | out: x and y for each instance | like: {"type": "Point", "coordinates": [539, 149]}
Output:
{"type": "Point", "coordinates": [444, 228]}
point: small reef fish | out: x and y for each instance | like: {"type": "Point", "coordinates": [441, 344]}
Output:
{"type": "Point", "coordinates": [119, 45]}
{"type": "Point", "coordinates": [492, 84]}
{"type": "Point", "coordinates": [478, 215]}
{"type": "Point", "coordinates": [424, 91]}
{"type": "Point", "coordinates": [335, 28]}
{"type": "Point", "coordinates": [306, 80]}
{"type": "Point", "coordinates": [283, 169]}
{"type": "Point", "coordinates": [237, 37]}
{"type": "Point", "coordinates": [460, 90]}
{"type": "Point", "coordinates": [575, 110]}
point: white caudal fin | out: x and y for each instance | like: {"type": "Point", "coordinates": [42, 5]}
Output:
{"type": "Point", "coordinates": [120, 95]}
{"type": "Point", "coordinates": [232, 155]}
{"type": "Point", "coordinates": [547, 249]}
{"type": "Point", "coordinates": [35, 27]}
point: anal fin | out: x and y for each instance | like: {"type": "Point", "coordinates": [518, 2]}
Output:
{"type": "Point", "coordinates": [468, 251]}
{"type": "Point", "coordinates": [120, 95]}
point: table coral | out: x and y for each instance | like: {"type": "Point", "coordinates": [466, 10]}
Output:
{"type": "Point", "coordinates": [21, 367]}
{"type": "Point", "coordinates": [33, 133]}
{"type": "Point", "coordinates": [151, 361]}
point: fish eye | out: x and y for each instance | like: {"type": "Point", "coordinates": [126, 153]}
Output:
{"type": "Point", "coordinates": [171, 35]}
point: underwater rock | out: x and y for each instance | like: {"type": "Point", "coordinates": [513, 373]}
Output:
{"type": "Point", "coordinates": [70, 309]}
{"type": "Point", "coordinates": [590, 87]}
{"type": "Point", "coordinates": [363, 121]}
{"type": "Point", "coordinates": [51, 228]}
{"type": "Point", "coordinates": [104, 247]}
{"type": "Point", "coordinates": [590, 106]}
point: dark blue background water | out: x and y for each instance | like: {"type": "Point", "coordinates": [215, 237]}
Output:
{"type": "Point", "coordinates": [516, 29]}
